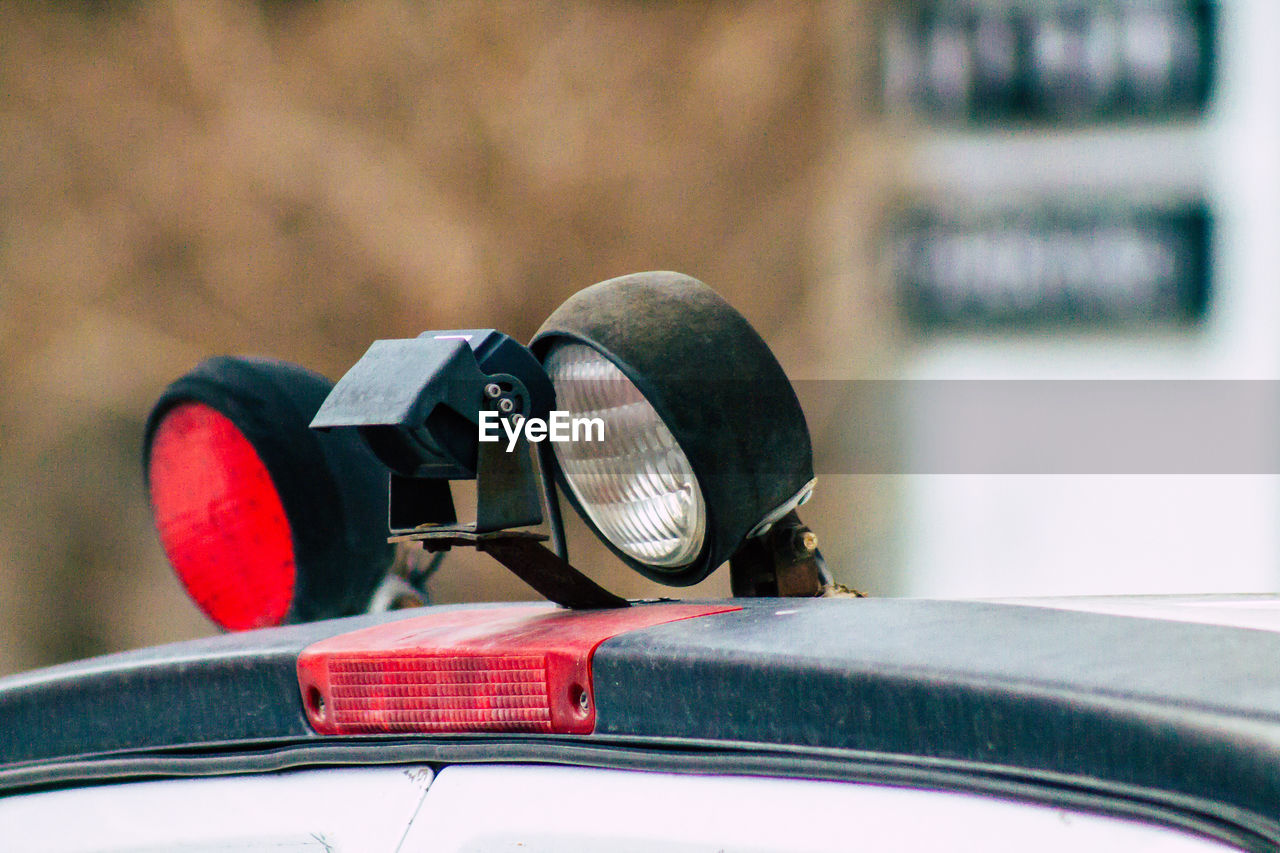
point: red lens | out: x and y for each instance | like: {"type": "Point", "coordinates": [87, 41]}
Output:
{"type": "Point", "coordinates": [220, 519]}
{"type": "Point", "coordinates": [516, 669]}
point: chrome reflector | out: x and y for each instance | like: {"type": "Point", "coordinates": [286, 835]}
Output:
{"type": "Point", "coordinates": [636, 485]}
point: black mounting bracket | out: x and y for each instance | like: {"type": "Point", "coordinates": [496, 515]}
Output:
{"type": "Point", "coordinates": [782, 562]}
{"type": "Point", "coordinates": [524, 554]}
{"type": "Point", "coordinates": [418, 404]}
{"type": "Point", "coordinates": [506, 498]}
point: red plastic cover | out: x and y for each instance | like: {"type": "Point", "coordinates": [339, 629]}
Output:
{"type": "Point", "coordinates": [508, 669]}
{"type": "Point", "coordinates": [220, 519]}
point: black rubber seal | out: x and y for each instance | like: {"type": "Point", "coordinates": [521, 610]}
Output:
{"type": "Point", "coordinates": [1205, 818]}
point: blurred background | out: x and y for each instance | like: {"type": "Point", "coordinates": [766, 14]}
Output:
{"type": "Point", "coordinates": [898, 195]}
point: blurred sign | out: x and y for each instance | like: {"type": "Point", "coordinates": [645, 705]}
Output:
{"type": "Point", "coordinates": [1033, 268]}
{"type": "Point", "coordinates": [1040, 60]}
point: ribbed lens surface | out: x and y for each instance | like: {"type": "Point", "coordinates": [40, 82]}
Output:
{"type": "Point", "coordinates": [220, 518]}
{"type": "Point", "coordinates": [636, 485]}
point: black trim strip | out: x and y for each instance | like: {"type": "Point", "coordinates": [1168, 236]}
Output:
{"type": "Point", "coordinates": [697, 757]}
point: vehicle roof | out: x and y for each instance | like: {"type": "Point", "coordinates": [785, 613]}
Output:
{"type": "Point", "coordinates": [1176, 718]}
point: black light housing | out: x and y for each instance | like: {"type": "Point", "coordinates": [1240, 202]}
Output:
{"type": "Point", "coordinates": [332, 490]}
{"type": "Point", "coordinates": [718, 389]}
{"type": "Point", "coordinates": [416, 401]}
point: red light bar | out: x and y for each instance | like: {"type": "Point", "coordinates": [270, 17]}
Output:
{"type": "Point", "coordinates": [509, 669]}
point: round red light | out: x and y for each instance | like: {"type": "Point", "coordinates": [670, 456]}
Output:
{"type": "Point", "coordinates": [220, 518]}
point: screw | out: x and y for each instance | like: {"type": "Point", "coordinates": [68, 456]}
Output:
{"type": "Point", "coordinates": [492, 390]}
{"type": "Point", "coordinates": [406, 601]}
{"type": "Point", "coordinates": [584, 701]}
{"type": "Point", "coordinates": [316, 698]}
{"type": "Point", "coordinates": [506, 405]}
{"type": "Point", "coordinates": [808, 541]}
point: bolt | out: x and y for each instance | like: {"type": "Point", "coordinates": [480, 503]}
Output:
{"type": "Point", "coordinates": [584, 701]}
{"type": "Point", "coordinates": [406, 601]}
{"type": "Point", "coordinates": [492, 390]}
{"type": "Point", "coordinates": [316, 698]}
{"type": "Point", "coordinates": [808, 541]}
{"type": "Point", "coordinates": [506, 405]}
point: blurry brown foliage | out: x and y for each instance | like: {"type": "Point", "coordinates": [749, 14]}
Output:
{"type": "Point", "coordinates": [180, 179]}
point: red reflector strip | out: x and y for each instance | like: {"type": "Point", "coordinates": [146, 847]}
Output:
{"type": "Point", "coordinates": [440, 694]}
{"type": "Point", "coordinates": [509, 669]}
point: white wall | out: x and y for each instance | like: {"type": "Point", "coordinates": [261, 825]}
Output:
{"type": "Point", "coordinates": [1010, 535]}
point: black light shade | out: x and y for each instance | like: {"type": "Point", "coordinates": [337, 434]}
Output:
{"type": "Point", "coordinates": [332, 490]}
{"type": "Point", "coordinates": [716, 386]}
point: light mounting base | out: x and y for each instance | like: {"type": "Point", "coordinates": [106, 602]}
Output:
{"type": "Point", "coordinates": [782, 562]}
{"type": "Point", "coordinates": [523, 553]}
